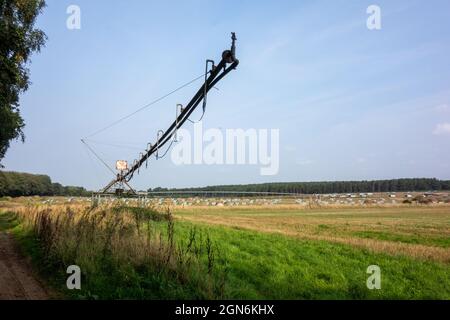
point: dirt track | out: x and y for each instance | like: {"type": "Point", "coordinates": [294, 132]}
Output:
{"type": "Point", "coordinates": [16, 277]}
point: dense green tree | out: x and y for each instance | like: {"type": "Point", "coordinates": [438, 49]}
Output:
{"type": "Point", "coordinates": [18, 40]}
{"type": "Point", "coordinates": [17, 184]}
{"type": "Point", "coordinates": [393, 185]}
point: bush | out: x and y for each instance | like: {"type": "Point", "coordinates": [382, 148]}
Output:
{"type": "Point", "coordinates": [124, 252]}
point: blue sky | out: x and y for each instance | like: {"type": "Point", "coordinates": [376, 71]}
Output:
{"type": "Point", "coordinates": [350, 103]}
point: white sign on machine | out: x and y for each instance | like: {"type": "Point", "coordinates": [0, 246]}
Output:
{"type": "Point", "coordinates": [121, 165]}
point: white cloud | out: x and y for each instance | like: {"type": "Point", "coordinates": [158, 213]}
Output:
{"type": "Point", "coordinates": [267, 52]}
{"type": "Point", "coordinates": [442, 128]}
{"type": "Point", "coordinates": [304, 162]}
{"type": "Point", "coordinates": [290, 148]}
{"type": "Point", "coordinates": [361, 160]}
{"type": "Point", "coordinates": [442, 108]}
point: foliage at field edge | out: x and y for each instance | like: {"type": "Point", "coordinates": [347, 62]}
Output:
{"type": "Point", "coordinates": [16, 184]}
{"type": "Point", "coordinates": [393, 185]}
{"type": "Point", "coordinates": [140, 253]}
{"type": "Point", "coordinates": [120, 253]}
{"type": "Point", "coordinates": [19, 39]}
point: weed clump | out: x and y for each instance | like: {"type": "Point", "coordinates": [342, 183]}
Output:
{"type": "Point", "coordinates": [124, 252]}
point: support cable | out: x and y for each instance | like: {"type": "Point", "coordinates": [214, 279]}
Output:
{"type": "Point", "coordinates": [117, 145]}
{"type": "Point", "coordinates": [144, 107]}
{"type": "Point", "coordinates": [98, 157]}
{"type": "Point", "coordinates": [215, 75]}
{"type": "Point", "coordinates": [213, 79]}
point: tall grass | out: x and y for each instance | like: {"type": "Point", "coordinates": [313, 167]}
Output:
{"type": "Point", "coordinates": [122, 253]}
{"type": "Point", "coordinates": [142, 253]}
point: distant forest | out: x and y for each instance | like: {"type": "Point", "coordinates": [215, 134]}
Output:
{"type": "Point", "coordinates": [15, 184]}
{"type": "Point", "coordinates": [394, 185]}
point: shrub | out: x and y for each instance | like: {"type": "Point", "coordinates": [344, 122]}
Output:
{"type": "Point", "coordinates": [124, 252]}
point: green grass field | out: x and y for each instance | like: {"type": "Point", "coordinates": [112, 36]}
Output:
{"type": "Point", "coordinates": [274, 266]}
{"type": "Point", "coordinates": [260, 253]}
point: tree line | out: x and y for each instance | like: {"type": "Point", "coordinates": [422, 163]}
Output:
{"type": "Point", "coordinates": [393, 185]}
{"type": "Point", "coordinates": [15, 184]}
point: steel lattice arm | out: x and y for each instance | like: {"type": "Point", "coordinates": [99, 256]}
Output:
{"type": "Point", "coordinates": [212, 77]}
